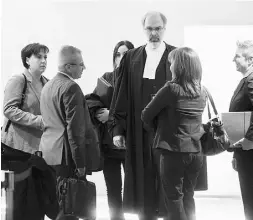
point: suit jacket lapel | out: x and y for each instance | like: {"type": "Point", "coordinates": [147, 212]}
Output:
{"type": "Point", "coordinates": [238, 89]}
{"type": "Point", "coordinates": [29, 80]}
{"type": "Point", "coordinates": [164, 58]}
{"type": "Point", "coordinates": [169, 48]}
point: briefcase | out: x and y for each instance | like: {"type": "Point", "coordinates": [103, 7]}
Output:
{"type": "Point", "coordinates": [78, 198]}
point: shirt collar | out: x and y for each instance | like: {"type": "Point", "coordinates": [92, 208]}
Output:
{"type": "Point", "coordinates": [65, 74]}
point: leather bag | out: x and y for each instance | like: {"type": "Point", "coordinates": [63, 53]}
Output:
{"type": "Point", "coordinates": [77, 197]}
{"type": "Point", "coordinates": [215, 139]}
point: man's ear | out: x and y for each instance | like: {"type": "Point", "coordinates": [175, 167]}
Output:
{"type": "Point", "coordinates": [250, 60]}
{"type": "Point", "coordinates": [67, 67]}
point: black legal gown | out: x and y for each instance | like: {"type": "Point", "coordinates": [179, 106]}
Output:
{"type": "Point", "coordinates": [131, 94]}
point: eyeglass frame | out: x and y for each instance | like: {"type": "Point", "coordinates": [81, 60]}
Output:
{"type": "Point", "coordinates": [156, 29]}
{"type": "Point", "coordinates": [74, 64]}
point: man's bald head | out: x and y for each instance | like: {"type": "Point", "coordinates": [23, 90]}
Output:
{"type": "Point", "coordinates": [154, 14]}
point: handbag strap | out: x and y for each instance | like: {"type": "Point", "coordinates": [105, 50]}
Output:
{"type": "Point", "coordinates": [210, 98]}
{"type": "Point", "coordinates": [21, 103]}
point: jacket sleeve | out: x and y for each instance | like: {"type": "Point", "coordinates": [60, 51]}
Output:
{"type": "Point", "coordinates": [94, 103]}
{"type": "Point", "coordinates": [73, 100]}
{"type": "Point", "coordinates": [162, 99]}
{"type": "Point", "coordinates": [249, 133]}
{"type": "Point", "coordinates": [118, 108]}
{"type": "Point", "coordinates": [12, 99]}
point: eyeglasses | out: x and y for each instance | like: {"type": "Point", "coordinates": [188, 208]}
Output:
{"type": "Point", "coordinates": [156, 29]}
{"type": "Point", "coordinates": [80, 64]}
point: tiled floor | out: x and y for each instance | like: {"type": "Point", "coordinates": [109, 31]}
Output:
{"type": "Point", "coordinates": [207, 208]}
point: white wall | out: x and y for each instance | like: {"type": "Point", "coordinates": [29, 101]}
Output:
{"type": "Point", "coordinates": [96, 26]}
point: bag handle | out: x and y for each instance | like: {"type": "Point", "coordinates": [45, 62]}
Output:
{"type": "Point", "coordinates": [210, 98]}
{"type": "Point", "coordinates": [21, 103]}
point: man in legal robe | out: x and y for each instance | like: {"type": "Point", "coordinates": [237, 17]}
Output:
{"type": "Point", "coordinates": [142, 72]}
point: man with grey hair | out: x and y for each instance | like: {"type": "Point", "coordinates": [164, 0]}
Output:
{"type": "Point", "coordinates": [64, 111]}
{"type": "Point", "coordinates": [242, 101]}
{"type": "Point", "coordinates": [142, 72]}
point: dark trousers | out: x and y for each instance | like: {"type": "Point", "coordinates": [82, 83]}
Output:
{"type": "Point", "coordinates": [26, 204]}
{"type": "Point", "coordinates": [149, 211]}
{"type": "Point", "coordinates": [178, 174]}
{"type": "Point", "coordinates": [245, 173]}
{"type": "Point", "coordinates": [113, 180]}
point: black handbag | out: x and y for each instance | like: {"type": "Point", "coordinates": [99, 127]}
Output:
{"type": "Point", "coordinates": [77, 197]}
{"type": "Point", "coordinates": [12, 154]}
{"type": "Point", "coordinates": [215, 139]}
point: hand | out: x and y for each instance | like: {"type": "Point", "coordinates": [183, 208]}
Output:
{"type": "Point", "coordinates": [234, 146]}
{"type": "Point", "coordinates": [246, 144]}
{"type": "Point", "coordinates": [102, 115]}
{"type": "Point", "coordinates": [119, 141]}
{"type": "Point", "coordinates": [42, 124]}
{"type": "Point", "coordinates": [81, 172]}
{"type": "Point", "coordinates": [234, 164]}
{"type": "Point", "coordinates": [237, 144]}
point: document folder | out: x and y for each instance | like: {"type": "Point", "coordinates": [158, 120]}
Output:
{"type": "Point", "coordinates": [105, 91]}
{"type": "Point", "coordinates": [236, 124]}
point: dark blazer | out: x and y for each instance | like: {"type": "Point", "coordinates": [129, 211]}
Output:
{"type": "Point", "coordinates": [64, 111]}
{"type": "Point", "coordinates": [242, 101]}
{"type": "Point", "coordinates": [179, 119]}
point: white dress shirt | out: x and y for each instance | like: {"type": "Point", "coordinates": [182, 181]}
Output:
{"type": "Point", "coordinates": [153, 58]}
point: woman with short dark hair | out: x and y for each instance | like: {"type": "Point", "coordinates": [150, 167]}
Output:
{"type": "Point", "coordinates": [24, 123]}
{"type": "Point", "coordinates": [22, 129]}
{"type": "Point", "coordinates": [175, 112]}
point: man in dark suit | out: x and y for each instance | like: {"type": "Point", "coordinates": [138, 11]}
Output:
{"type": "Point", "coordinates": [241, 101]}
{"type": "Point", "coordinates": [64, 113]}
{"type": "Point", "coordinates": [143, 71]}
